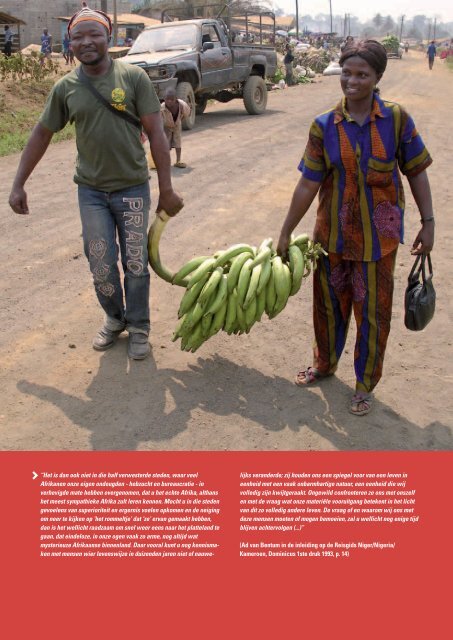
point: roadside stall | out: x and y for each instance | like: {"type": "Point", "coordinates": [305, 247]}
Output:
{"type": "Point", "coordinates": [14, 23]}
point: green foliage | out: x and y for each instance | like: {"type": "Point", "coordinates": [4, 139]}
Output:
{"type": "Point", "coordinates": [19, 67]}
{"type": "Point", "coordinates": [391, 43]}
{"type": "Point", "coordinates": [21, 104]}
{"type": "Point", "coordinates": [15, 139]}
{"type": "Point", "coordinates": [278, 75]}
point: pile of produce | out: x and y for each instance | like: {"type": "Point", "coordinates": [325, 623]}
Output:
{"type": "Point", "coordinates": [391, 43]}
{"type": "Point", "coordinates": [232, 289]}
{"type": "Point", "coordinates": [315, 59]}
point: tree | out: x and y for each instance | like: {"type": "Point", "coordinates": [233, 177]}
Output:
{"type": "Point", "coordinates": [414, 33]}
{"type": "Point", "coordinates": [389, 25]}
{"type": "Point", "coordinates": [377, 21]}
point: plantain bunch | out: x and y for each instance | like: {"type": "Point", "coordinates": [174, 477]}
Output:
{"type": "Point", "coordinates": [232, 289]}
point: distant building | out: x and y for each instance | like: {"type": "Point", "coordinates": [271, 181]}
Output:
{"type": "Point", "coordinates": [39, 14]}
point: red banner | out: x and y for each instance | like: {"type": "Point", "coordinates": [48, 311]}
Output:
{"type": "Point", "coordinates": [214, 544]}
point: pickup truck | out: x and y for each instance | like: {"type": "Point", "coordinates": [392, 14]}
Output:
{"type": "Point", "coordinates": [199, 60]}
{"type": "Point", "coordinates": [393, 46]}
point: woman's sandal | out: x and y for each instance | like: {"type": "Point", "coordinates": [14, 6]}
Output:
{"type": "Point", "coordinates": [309, 376]}
{"type": "Point", "coordinates": [180, 165]}
{"type": "Point", "coordinates": [360, 398]}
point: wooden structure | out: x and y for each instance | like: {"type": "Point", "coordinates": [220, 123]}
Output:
{"type": "Point", "coordinates": [14, 23]}
{"type": "Point", "coordinates": [129, 25]}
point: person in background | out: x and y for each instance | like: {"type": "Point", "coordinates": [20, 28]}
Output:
{"type": "Point", "coordinates": [71, 54]}
{"type": "Point", "coordinates": [353, 157]}
{"type": "Point", "coordinates": [8, 43]}
{"type": "Point", "coordinates": [431, 53]}
{"type": "Point", "coordinates": [288, 62]}
{"type": "Point", "coordinates": [66, 43]}
{"type": "Point", "coordinates": [173, 111]}
{"type": "Point", "coordinates": [46, 45]}
{"type": "Point", "coordinates": [111, 174]}
{"type": "Point", "coordinates": [406, 46]}
{"type": "Point", "coordinates": [346, 43]}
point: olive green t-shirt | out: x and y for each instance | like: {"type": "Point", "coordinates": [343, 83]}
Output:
{"type": "Point", "coordinates": [110, 153]}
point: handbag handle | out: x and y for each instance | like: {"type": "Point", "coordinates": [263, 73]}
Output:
{"type": "Point", "coordinates": [415, 272]}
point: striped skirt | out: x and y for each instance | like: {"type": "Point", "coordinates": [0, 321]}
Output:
{"type": "Point", "coordinates": [340, 287]}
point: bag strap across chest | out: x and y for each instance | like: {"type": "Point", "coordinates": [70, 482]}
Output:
{"type": "Point", "coordinates": [124, 115]}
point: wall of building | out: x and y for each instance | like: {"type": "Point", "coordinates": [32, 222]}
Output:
{"type": "Point", "coordinates": [39, 14]}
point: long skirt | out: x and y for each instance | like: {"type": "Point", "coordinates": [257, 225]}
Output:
{"type": "Point", "coordinates": [341, 287]}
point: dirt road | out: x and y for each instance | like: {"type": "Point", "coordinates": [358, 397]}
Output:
{"type": "Point", "coordinates": [235, 393]}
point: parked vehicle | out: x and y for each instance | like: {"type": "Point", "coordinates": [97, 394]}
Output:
{"type": "Point", "coordinates": [199, 59]}
{"type": "Point", "coordinates": [393, 46]}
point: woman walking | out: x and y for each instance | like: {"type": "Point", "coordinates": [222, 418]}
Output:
{"type": "Point", "coordinates": [354, 156]}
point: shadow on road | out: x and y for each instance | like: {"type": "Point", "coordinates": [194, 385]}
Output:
{"type": "Point", "coordinates": [240, 117]}
{"type": "Point", "coordinates": [124, 408]}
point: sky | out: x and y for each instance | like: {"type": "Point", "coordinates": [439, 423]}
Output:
{"type": "Point", "coordinates": [364, 10]}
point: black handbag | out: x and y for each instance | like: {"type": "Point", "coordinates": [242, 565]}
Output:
{"type": "Point", "coordinates": [420, 296]}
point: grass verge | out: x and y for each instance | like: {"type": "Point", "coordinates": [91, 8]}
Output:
{"type": "Point", "coordinates": [21, 104]}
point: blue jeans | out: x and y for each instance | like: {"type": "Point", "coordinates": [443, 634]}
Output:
{"type": "Point", "coordinates": [106, 217]}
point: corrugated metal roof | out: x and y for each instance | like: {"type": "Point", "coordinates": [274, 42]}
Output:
{"type": "Point", "coordinates": [6, 18]}
{"type": "Point", "coordinates": [124, 19]}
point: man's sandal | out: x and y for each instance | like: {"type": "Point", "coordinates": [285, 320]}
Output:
{"type": "Point", "coordinates": [309, 376]}
{"type": "Point", "coordinates": [361, 399]}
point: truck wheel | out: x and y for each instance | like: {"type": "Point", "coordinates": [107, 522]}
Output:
{"type": "Point", "coordinates": [184, 92]}
{"type": "Point", "coordinates": [255, 95]}
{"type": "Point", "coordinates": [201, 105]}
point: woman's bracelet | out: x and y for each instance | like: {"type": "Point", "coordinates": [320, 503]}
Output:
{"type": "Point", "coordinates": [430, 219]}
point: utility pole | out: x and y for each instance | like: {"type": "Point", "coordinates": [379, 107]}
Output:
{"type": "Point", "coordinates": [429, 30]}
{"type": "Point", "coordinates": [297, 20]}
{"type": "Point", "coordinates": [331, 26]}
{"type": "Point", "coordinates": [434, 30]}
{"type": "Point", "coordinates": [401, 29]}
{"type": "Point", "coordinates": [115, 24]}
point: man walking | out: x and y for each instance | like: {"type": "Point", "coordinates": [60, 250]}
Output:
{"type": "Point", "coordinates": [8, 43]}
{"type": "Point", "coordinates": [111, 173]}
{"type": "Point", "coordinates": [46, 46]}
{"type": "Point", "coordinates": [288, 62]}
{"type": "Point", "coordinates": [431, 53]}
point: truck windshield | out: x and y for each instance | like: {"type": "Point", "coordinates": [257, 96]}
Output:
{"type": "Point", "coordinates": [166, 38]}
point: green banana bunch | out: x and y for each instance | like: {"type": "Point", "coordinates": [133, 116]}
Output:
{"type": "Point", "coordinates": [232, 289]}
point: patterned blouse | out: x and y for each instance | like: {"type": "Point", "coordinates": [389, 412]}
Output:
{"type": "Point", "coordinates": [361, 199]}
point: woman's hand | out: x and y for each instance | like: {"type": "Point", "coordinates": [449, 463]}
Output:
{"type": "Point", "coordinates": [283, 244]}
{"type": "Point", "coordinates": [424, 241]}
{"type": "Point", "coordinates": [303, 196]}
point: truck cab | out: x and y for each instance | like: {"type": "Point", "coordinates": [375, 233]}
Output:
{"type": "Point", "coordinates": [197, 59]}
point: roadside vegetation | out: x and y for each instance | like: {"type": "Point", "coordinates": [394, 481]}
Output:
{"type": "Point", "coordinates": [24, 87]}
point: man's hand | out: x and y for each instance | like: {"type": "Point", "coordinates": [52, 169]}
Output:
{"type": "Point", "coordinates": [32, 154]}
{"type": "Point", "coordinates": [170, 202]}
{"type": "Point", "coordinates": [18, 201]}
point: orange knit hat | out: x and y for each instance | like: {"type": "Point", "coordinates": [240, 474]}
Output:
{"type": "Point", "coordinates": [93, 15]}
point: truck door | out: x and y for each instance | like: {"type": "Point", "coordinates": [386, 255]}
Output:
{"type": "Point", "coordinates": [216, 63]}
